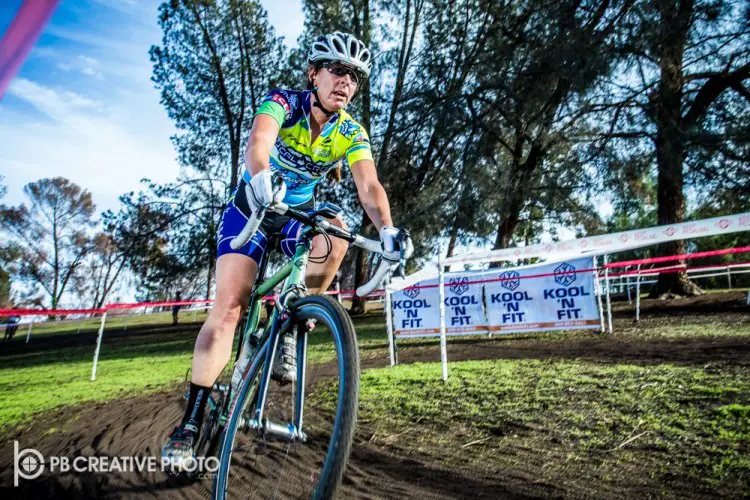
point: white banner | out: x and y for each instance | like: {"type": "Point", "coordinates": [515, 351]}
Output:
{"type": "Point", "coordinates": [464, 308]}
{"type": "Point", "coordinates": [556, 296]}
{"type": "Point", "coordinates": [416, 310]}
{"type": "Point", "coordinates": [615, 242]}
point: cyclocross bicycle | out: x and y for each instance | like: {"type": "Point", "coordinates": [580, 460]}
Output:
{"type": "Point", "coordinates": [269, 443]}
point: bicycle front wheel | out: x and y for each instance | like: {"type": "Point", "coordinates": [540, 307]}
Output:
{"type": "Point", "coordinates": [259, 464]}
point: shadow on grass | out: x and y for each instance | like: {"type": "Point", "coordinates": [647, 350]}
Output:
{"type": "Point", "coordinates": [684, 351]}
{"type": "Point", "coordinates": [113, 347]}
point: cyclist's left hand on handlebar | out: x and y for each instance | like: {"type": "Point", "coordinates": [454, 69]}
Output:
{"type": "Point", "coordinates": [397, 246]}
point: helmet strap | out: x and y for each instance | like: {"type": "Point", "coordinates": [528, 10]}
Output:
{"type": "Point", "coordinates": [320, 106]}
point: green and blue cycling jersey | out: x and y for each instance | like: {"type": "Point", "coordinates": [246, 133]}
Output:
{"type": "Point", "coordinates": [301, 162]}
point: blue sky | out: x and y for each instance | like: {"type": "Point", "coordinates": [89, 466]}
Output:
{"type": "Point", "coordinates": [83, 106]}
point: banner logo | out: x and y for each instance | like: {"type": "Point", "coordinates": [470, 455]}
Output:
{"type": "Point", "coordinates": [510, 280]}
{"type": "Point", "coordinates": [459, 286]}
{"type": "Point", "coordinates": [411, 291]}
{"type": "Point", "coordinates": [565, 274]}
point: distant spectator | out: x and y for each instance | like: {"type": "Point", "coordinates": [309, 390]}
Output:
{"type": "Point", "coordinates": [11, 327]}
{"type": "Point", "coordinates": [176, 308]}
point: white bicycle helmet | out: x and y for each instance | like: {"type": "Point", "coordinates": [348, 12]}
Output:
{"type": "Point", "coordinates": [343, 48]}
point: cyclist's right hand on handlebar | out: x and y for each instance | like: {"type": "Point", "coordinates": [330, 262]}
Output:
{"type": "Point", "coordinates": [260, 191]}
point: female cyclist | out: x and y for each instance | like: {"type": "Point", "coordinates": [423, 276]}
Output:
{"type": "Point", "coordinates": [300, 135]}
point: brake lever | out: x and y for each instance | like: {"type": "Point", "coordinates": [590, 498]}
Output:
{"type": "Point", "coordinates": [404, 237]}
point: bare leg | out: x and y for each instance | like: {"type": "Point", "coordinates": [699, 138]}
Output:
{"type": "Point", "coordinates": [320, 275]}
{"type": "Point", "coordinates": [235, 275]}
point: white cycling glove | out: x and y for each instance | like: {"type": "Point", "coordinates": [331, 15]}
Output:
{"type": "Point", "coordinates": [259, 191]}
{"type": "Point", "coordinates": [394, 240]}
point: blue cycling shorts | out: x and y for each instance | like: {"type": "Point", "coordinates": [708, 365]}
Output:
{"type": "Point", "coordinates": [234, 219]}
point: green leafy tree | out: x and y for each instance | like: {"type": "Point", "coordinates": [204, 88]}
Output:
{"type": "Point", "coordinates": [349, 16]}
{"type": "Point", "coordinates": [217, 60]}
{"type": "Point", "coordinates": [50, 235]}
{"type": "Point", "coordinates": [684, 102]}
{"type": "Point", "coordinates": [5, 259]}
{"type": "Point", "coordinates": [139, 239]}
{"type": "Point", "coordinates": [215, 63]}
{"type": "Point", "coordinates": [193, 207]}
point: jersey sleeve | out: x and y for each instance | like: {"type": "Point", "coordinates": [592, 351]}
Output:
{"type": "Point", "coordinates": [359, 148]}
{"type": "Point", "coordinates": [276, 104]}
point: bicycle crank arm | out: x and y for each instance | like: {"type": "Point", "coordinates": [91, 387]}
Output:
{"type": "Point", "coordinates": [272, 430]}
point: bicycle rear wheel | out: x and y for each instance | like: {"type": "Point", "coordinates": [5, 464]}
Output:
{"type": "Point", "coordinates": [254, 464]}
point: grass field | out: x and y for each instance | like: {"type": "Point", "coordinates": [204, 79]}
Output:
{"type": "Point", "coordinates": [36, 381]}
{"type": "Point", "coordinates": [567, 419]}
{"type": "Point", "coordinates": [42, 380]}
{"type": "Point", "coordinates": [114, 321]}
{"type": "Point", "coordinates": [567, 413]}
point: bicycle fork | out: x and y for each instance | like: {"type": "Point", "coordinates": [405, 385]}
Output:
{"type": "Point", "coordinates": [267, 429]}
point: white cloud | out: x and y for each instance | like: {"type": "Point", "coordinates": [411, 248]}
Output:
{"type": "Point", "coordinates": [93, 73]}
{"type": "Point", "coordinates": [88, 61]}
{"type": "Point", "coordinates": [85, 65]}
{"type": "Point", "coordinates": [120, 5]}
{"type": "Point", "coordinates": [103, 137]}
{"type": "Point", "coordinates": [60, 106]}
{"type": "Point", "coordinates": [80, 139]}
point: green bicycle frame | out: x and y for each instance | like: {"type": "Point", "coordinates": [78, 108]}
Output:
{"type": "Point", "coordinates": [294, 273]}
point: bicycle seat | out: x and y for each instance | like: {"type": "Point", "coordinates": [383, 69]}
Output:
{"type": "Point", "coordinates": [327, 210]}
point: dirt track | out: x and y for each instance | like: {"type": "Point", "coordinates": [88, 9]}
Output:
{"type": "Point", "coordinates": [137, 426]}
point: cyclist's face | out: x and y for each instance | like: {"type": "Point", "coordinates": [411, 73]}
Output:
{"type": "Point", "coordinates": [336, 85]}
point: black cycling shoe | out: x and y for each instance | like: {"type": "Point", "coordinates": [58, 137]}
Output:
{"type": "Point", "coordinates": [180, 447]}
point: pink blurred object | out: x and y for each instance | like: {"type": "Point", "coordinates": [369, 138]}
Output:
{"type": "Point", "coordinates": [23, 32]}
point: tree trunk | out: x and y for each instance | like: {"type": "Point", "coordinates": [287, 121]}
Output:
{"type": "Point", "coordinates": [209, 278]}
{"type": "Point", "coordinates": [670, 140]}
{"type": "Point", "coordinates": [361, 269]}
{"type": "Point", "coordinates": [404, 59]}
{"type": "Point", "coordinates": [212, 250]}
{"type": "Point", "coordinates": [452, 241]}
{"type": "Point", "coordinates": [514, 201]}
{"type": "Point", "coordinates": [508, 225]}
{"type": "Point", "coordinates": [366, 36]}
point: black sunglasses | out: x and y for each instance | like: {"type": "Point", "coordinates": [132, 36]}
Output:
{"type": "Point", "coordinates": [339, 70]}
